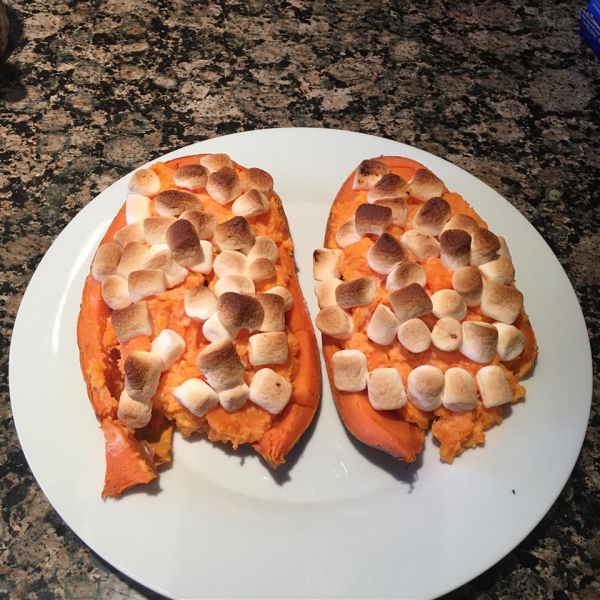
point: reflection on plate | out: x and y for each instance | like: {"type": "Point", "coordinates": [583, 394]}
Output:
{"type": "Point", "coordinates": [340, 519]}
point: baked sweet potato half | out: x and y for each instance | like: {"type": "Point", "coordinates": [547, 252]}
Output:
{"type": "Point", "coordinates": [192, 318]}
{"type": "Point", "coordinates": [421, 319]}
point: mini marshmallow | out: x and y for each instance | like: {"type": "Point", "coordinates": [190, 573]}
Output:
{"type": "Point", "coordinates": [385, 389]}
{"type": "Point", "coordinates": [405, 274]}
{"type": "Point", "coordinates": [349, 370]}
{"type": "Point", "coordinates": [213, 330]}
{"type": "Point", "coordinates": [137, 208]}
{"type": "Point", "coordinates": [448, 303]}
{"type": "Point", "coordinates": [284, 293]}
{"type": "Point", "coordinates": [214, 162]}
{"type": "Point", "coordinates": [390, 186]}
{"type": "Point", "coordinates": [269, 348]}
{"type": "Point", "coordinates": [221, 364]}
{"type": "Point", "coordinates": [191, 177]}
{"type": "Point", "coordinates": [432, 216]}
{"type": "Point", "coordinates": [270, 391]}
{"type": "Point", "coordinates": [368, 173]}
{"type": "Point", "coordinates": [479, 342]}
{"type": "Point", "coordinates": [115, 292]}
{"type": "Point", "coordinates": [260, 269]}
{"type": "Point", "coordinates": [251, 204]}
{"type": "Point", "coordinates": [200, 303]}
{"type": "Point", "coordinates": [204, 259]}
{"type": "Point", "coordinates": [158, 248]}
{"type": "Point", "coordinates": [410, 302]}
{"type": "Point", "coordinates": [162, 260]}
{"type": "Point", "coordinates": [240, 310]}
{"type": "Point", "coordinates": [133, 413]}
{"type": "Point", "coordinates": [501, 302]}
{"type": "Point", "coordinates": [263, 247]}
{"type": "Point", "coordinates": [511, 341]}
{"type": "Point", "coordinates": [423, 246]}
{"type": "Point", "coordinates": [385, 254]}
{"type": "Point", "coordinates": [347, 234]}
{"type": "Point", "coordinates": [383, 326]}
{"type": "Point", "coordinates": [106, 261]}
{"type": "Point", "coordinates": [230, 262]}
{"type": "Point", "coordinates": [459, 390]}
{"type": "Point", "coordinates": [131, 321]}
{"type": "Point", "coordinates": [224, 185]}
{"type": "Point", "coordinates": [234, 234]}
{"type": "Point", "coordinates": [335, 322]}
{"type": "Point", "coordinates": [500, 270]}
{"type": "Point", "coordinates": [325, 291]}
{"type": "Point", "coordinates": [204, 222]}
{"type": "Point", "coordinates": [399, 209]}
{"type": "Point", "coordinates": [130, 233]}
{"type": "Point", "coordinates": [172, 203]}
{"type": "Point", "coordinates": [133, 259]}
{"type": "Point", "coordinates": [360, 291]}
{"type": "Point", "coordinates": [142, 374]}
{"type": "Point", "coordinates": [503, 250]}
{"type": "Point", "coordinates": [372, 219]}
{"type": "Point", "coordinates": [169, 346]}
{"type": "Point", "coordinates": [468, 283]}
{"type": "Point", "coordinates": [235, 397]}
{"type": "Point", "coordinates": [455, 248]}
{"type": "Point", "coordinates": [183, 242]}
{"type": "Point", "coordinates": [414, 335]}
{"type": "Point", "coordinates": [197, 396]}
{"type": "Point", "coordinates": [144, 182]}
{"type": "Point", "coordinates": [155, 229]}
{"type": "Point", "coordinates": [259, 180]}
{"type": "Point", "coordinates": [462, 222]}
{"type": "Point", "coordinates": [484, 246]}
{"type": "Point", "coordinates": [234, 283]}
{"type": "Point", "coordinates": [274, 312]}
{"type": "Point", "coordinates": [326, 263]}
{"type": "Point", "coordinates": [425, 185]}
{"type": "Point", "coordinates": [494, 387]}
{"type": "Point", "coordinates": [426, 387]}
{"type": "Point", "coordinates": [146, 282]}
{"type": "Point", "coordinates": [446, 334]}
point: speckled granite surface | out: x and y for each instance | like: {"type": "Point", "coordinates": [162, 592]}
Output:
{"type": "Point", "coordinates": [507, 90]}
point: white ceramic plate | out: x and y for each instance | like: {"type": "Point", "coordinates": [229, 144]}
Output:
{"type": "Point", "coordinates": [341, 520]}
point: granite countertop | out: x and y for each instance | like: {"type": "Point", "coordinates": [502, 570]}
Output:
{"type": "Point", "coordinates": [506, 90]}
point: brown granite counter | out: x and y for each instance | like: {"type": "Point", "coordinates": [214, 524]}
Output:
{"type": "Point", "coordinates": [507, 90]}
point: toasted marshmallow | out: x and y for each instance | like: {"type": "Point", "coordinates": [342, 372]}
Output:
{"type": "Point", "coordinates": [462, 222]}
{"type": "Point", "coordinates": [372, 218]}
{"type": "Point", "coordinates": [468, 283]}
{"type": "Point", "coordinates": [423, 246]}
{"type": "Point", "coordinates": [214, 162]}
{"type": "Point", "coordinates": [234, 234]}
{"type": "Point", "coordinates": [200, 303]}
{"type": "Point", "coordinates": [446, 334]}
{"type": "Point", "coordinates": [511, 341]}
{"type": "Point", "coordinates": [183, 242]}
{"type": "Point", "coordinates": [106, 261]}
{"type": "Point", "coordinates": [479, 341]}
{"type": "Point", "coordinates": [221, 364]}
{"type": "Point", "coordinates": [144, 182]}
{"type": "Point", "coordinates": [204, 222]}
{"type": "Point", "coordinates": [155, 229]}
{"type": "Point", "coordinates": [235, 397]}
{"type": "Point", "coordinates": [356, 292]}
{"type": "Point", "coordinates": [230, 262]}
{"type": "Point", "coordinates": [388, 187]}
{"type": "Point", "coordinates": [500, 270]}
{"type": "Point", "coordinates": [146, 282]}
{"type": "Point", "coordinates": [142, 373]}
{"type": "Point", "coordinates": [349, 370]}
{"type": "Point", "coordinates": [197, 396]}
{"type": "Point", "coordinates": [213, 330]}
{"type": "Point", "coordinates": [274, 312]}
{"type": "Point", "coordinates": [251, 204]}
{"type": "Point", "coordinates": [432, 216]}
{"type": "Point", "coordinates": [131, 321]}
{"type": "Point", "coordinates": [270, 391]}
{"type": "Point", "coordinates": [133, 258]}
{"type": "Point", "coordinates": [269, 348]}
{"type": "Point", "coordinates": [448, 303]}
{"type": "Point", "coordinates": [263, 247]}
{"type": "Point", "coordinates": [137, 208]}
{"type": "Point", "coordinates": [325, 291]}
{"type": "Point", "coordinates": [157, 249]}
{"type": "Point", "coordinates": [410, 302]}
{"type": "Point", "coordinates": [386, 254]}
{"type": "Point", "coordinates": [283, 293]}
{"type": "Point", "coordinates": [503, 250]}
{"type": "Point", "coordinates": [240, 310]}
{"type": "Point", "coordinates": [169, 345]}
{"type": "Point", "coordinates": [494, 387]}
{"type": "Point", "coordinates": [385, 389]}
{"type": "Point", "coordinates": [405, 274]}
{"type": "Point", "coordinates": [398, 206]}
{"type": "Point", "coordinates": [414, 335]}
{"type": "Point", "coordinates": [484, 246]}
{"type": "Point", "coordinates": [455, 248]}
{"type": "Point", "coordinates": [368, 173]}
{"type": "Point", "coordinates": [224, 185]}
{"type": "Point", "coordinates": [326, 263]}
{"type": "Point", "coordinates": [335, 322]}
{"type": "Point", "coordinates": [383, 326]}
{"type": "Point", "coordinates": [204, 259]}
{"type": "Point", "coordinates": [133, 413]}
{"type": "Point", "coordinates": [426, 387]}
{"type": "Point", "coordinates": [347, 234]}
{"type": "Point", "coordinates": [257, 179]}
{"type": "Point", "coordinates": [260, 269]}
{"type": "Point", "coordinates": [501, 302]}
{"type": "Point", "coordinates": [191, 177]}
{"type": "Point", "coordinates": [115, 292]}
{"type": "Point", "coordinates": [130, 233]}
{"type": "Point", "coordinates": [234, 283]}
{"type": "Point", "coordinates": [459, 390]}
{"type": "Point", "coordinates": [425, 185]}
{"type": "Point", "coordinates": [162, 260]}
{"type": "Point", "coordinates": [171, 203]}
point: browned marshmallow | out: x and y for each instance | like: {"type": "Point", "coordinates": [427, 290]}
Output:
{"type": "Point", "coordinates": [501, 302]}
{"type": "Point", "coordinates": [503, 251]}
{"type": "Point", "coordinates": [146, 282]}
{"type": "Point", "coordinates": [196, 395]}
{"type": "Point", "coordinates": [347, 234]}
{"type": "Point", "coordinates": [459, 390]}
{"type": "Point", "coordinates": [257, 179]}
{"type": "Point", "coordinates": [284, 293]}
{"type": "Point", "coordinates": [372, 218]}
{"type": "Point", "coordinates": [131, 321]}
{"type": "Point", "coordinates": [144, 182]}
{"type": "Point", "coordinates": [325, 291]}
{"type": "Point", "coordinates": [500, 270]}
{"type": "Point", "coordinates": [326, 263]}
{"type": "Point", "coordinates": [274, 309]}
{"type": "Point", "coordinates": [230, 262]}
{"type": "Point", "coordinates": [214, 162]}
{"type": "Point", "coordinates": [414, 335]}
{"type": "Point", "coordinates": [200, 303]}
{"type": "Point", "coordinates": [106, 261]}
{"type": "Point", "coordinates": [383, 326]}
{"type": "Point", "coordinates": [130, 233]}
{"type": "Point", "coordinates": [133, 413]}
{"type": "Point", "coordinates": [422, 245]}
{"type": "Point", "coordinates": [448, 303]}
{"type": "Point", "coordinates": [398, 206]}
{"type": "Point", "coordinates": [203, 263]}
{"type": "Point", "coordinates": [142, 373]}
{"type": "Point", "coordinates": [251, 204]}
{"type": "Point", "coordinates": [155, 229]}
{"type": "Point", "coordinates": [204, 222]}
{"type": "Point", "coordinates": [137, 208]}
{"type": "Point", "coordinates": [183, 242]}
{"type": "Point", "coordinates": [368, 173]}
{"type": "Point", "coordinates": [425, 185]}
{"type": "Point", "coordinates": [224, 185]}
{"type": "Point", "coordinates": [270, 391]}
{"type": "Point", "coordinates": [335, 322]}
{"type": "Point", "coordinates": [432, 216]}
{"type": "Point", "coordinates": [234, 234]}
{"type": "Point", "coordinates": [133, 259]}
{"type": "Point", "coordinates": [260, 269]}
{"type": "Point", "coordinates": [269, 348]}
{"type": "Point", "coordinates": [171, 203]}
{"type": "Point", "coordinates": [426, 387]}
{"type": "Point", "coordinates": [410, 302]}
{"type": "Point", "coordinates": [462, 222]}
{"type": "Point", "coordinates": [468, 283]}
{"type": "Point", "coordinates": [385, 389]}
{"type": "Point", "coordinates": [493, 386]}
{"type": "Point", "coordinates": [191, 177]}
{"type": "Point", "coordinates": [405, 274]}
{"type": "Point", "coordinates": [235, 283]}
{"type": "Point", "coordinates": [511, 341]}
{"type": "Point", "coordinates": [162, 260]}
{"type": "Point", "coordinates": [455, 248]}
{"type": "Point", "coordinates": [356, 292]}
{"type": "Point", "coordinates": [389, 186]}
{"type": "Point", "coordinates": [349, 370]}
{"type": "Point", "coordinates": [264, 247]}
{"type": "Point", "coordinates": [115, 292]}
{"type": "Point", "coordinates": [239, 310]}
{"type": "Point", "coordinates": [235, 397]}
{"type": "Point", "coordinates": [221, 364]}
{"type": "Point", "coordinates": [214, 330]}
{"type": "Point", "coordinates": [484, 246]}
{"type": "Point", "coordinates": [446, 334]}
{"type": "Point", "coordinates": [479, 341]}
{"type": "Point", "coordinates": [385, 254]}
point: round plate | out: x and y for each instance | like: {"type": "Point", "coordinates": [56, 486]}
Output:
{"type": "Point", "coordinates": [339, 519]}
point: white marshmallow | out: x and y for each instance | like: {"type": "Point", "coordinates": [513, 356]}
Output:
{"type": "Point", "coordinates": [385, 389]}
{"type": "Point", "coordinates": [235, 397]}
{"type": "Point", "coordinates": [200, 303]}
{"type": "Point", "coordinates": [146, 282]}
{"type": "Point", "coordinates": [234, 283]}
{"type": "Point", "coordinates": [251, 204]}
{"type": "Point", "coordinates": [335, 322]}
{"type": "Point", "coordinates": [284, 293]}
{"type": "Point", "coordinates": [214, 330]}
{"type": "Point", "coordinates": [459, 390]}
{"type": "Point", "coordinates": [325, 291]}
{"type": "Point", "coordinates": [269, 348]}
{"type": "Point", "coordinates": [230, 262]}
{"type": "Point", "coordinates": [137, 208]}
{"type": "Point", "coordinates": [204, 261]}
{"type": "Point", "coordinates": [157, 249]}
{"type": "Point", "coordinates": [405, 274]}
{"type": "Point", "coordinates": [350, 370]}
{"type": "Point", "coordinates": [169, 345]}
{"type": "Point", "coordinates": [446, 334]}
{"type": "Point", "coordinates": [270, 391]}
{"type": "Point", "coordinates": [326, 263]}
{"type": "Point", "coordinates": [500, 270]}
{"type": "Point", "coordinates": [426, 387]}
{"type": "Point", "coordinates": [414, 335]}
{"type": "Point", "coordinates": [115, 292]}
{"type": "Point", "coordinates": [263, 247]}
{"type": "Point", "coordinates": [130, 233]}
{"type": "Point", "coordinates": [493, 386]}
{"type": "Point", "coordinates": [197, 396]}
{"type": "Point", "coordinates": [347, 234]}
{"type": "Point", "coordinates": [145, 182]}
{"type": "Point", "coordinates": [423, 246]}
{"type": "Point", "coordinates": [479, 341]}
{"type": "Point", "coordinates": [134, 414]}
{"type": "Point", "coordinates": [511, 341]}
{"type": "Point", "coordinates": [383, 326]}
{"type": "Point", "coordinates": [448, 304]}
